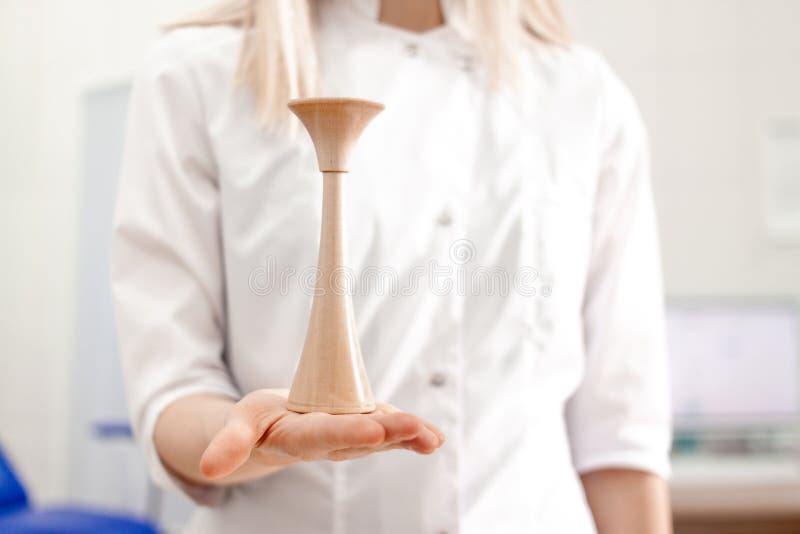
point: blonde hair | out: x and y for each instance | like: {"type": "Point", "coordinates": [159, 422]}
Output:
{"type": "Point", "coordinates": [278, 58]}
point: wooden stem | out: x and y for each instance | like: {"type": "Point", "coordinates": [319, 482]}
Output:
{"type": "Point", "coordinates": [331, 376]}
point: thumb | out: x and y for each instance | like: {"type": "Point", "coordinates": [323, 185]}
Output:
{"type": "Point", "coordinates": [229, 449]}
{"type": "Point", "coordinates": [247, 422]}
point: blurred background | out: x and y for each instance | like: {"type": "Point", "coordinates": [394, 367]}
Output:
{"type": "Point", "coordinates": [718, 82]}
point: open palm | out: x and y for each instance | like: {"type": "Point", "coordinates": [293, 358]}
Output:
{"type": "Point", "coordinates": [261, 425]}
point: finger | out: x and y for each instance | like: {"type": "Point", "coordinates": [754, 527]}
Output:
{"type": "Point", "coordinates": [341, 431]}
{"type": "Point", "coordinates": [351, 454]}
{"type": "Point", "coordinates": [232, 445]}
{"type": "Point", "coordinates": [228, 450]}
{"type": "Point", "coordinates": [398, 426]}
{"type": "Point", "coordinates": [424, 443]}
{"type": "Point", "coordinates": [383, 407]}
{"type": "Point", "coordinates": [358, 452]}
{"type": "Point", "coordinates": [437, 432]}
{"type": "Point", "coordinates": [311, 436]}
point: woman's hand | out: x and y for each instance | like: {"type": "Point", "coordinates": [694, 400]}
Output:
{"type": "Point", "coordinates": [260, 427]}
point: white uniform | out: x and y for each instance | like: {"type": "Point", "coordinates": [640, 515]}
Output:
{"type": "Point", "coordinates": [506, 267]}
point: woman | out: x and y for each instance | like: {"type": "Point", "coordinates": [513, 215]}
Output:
{"type": "Point", "coordinates": [504, 193]}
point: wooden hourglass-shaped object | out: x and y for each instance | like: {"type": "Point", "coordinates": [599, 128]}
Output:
{"type": "Point", "coordinates": [330, 376]}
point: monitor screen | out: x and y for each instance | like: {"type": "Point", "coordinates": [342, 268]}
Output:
{"type": "Point", "coordinates": [734, 363]}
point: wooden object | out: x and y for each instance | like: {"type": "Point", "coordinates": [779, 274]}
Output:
{"type": "Point", "coordinates": [330, 376]}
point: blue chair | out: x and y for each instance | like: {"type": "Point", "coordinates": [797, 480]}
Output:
{"type": "Point", "coordinates": [17, 516]}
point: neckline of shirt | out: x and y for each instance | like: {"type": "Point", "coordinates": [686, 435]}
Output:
{"type": "Point", "coordinates": [368, 11]}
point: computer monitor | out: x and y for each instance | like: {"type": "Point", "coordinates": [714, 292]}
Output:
{"type": "Point", "coordinates": [734, 363]}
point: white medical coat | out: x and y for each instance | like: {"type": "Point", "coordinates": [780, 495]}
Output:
{"type": "Point", "coordinates": [505, 265]}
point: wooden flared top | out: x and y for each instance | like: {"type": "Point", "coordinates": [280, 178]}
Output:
{"type": "Point", "coordinates": [334, 124]}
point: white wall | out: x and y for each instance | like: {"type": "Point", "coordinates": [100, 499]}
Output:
{"type": "Point", "coordinates": [51, 52]}
{"type": "Point", "coordinates": [707, 74]}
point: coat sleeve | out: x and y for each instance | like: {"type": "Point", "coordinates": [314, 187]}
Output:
{"type": "Point", "coordinates": [167, 263]}
{"type": "Point", "coordinates": [620, 414]}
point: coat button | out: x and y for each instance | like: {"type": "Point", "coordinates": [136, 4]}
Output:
{"type": "Point", "coordinates": [445, 218]}
{"type": "Point", "coordinates": [438, 380]}
{"type": "Point", "coordinates": [412, 49]}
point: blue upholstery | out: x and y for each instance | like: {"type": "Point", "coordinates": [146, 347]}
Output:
{"type": "Point", "coordinates": [12, 494]}
{"type": "Point", "coordinates": [72, 521]}
{"type": "Point", "coordinates": [16, 517]}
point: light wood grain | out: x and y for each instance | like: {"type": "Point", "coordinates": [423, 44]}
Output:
{"type": "Point", "coordinates": [331, 376]}
{"type": "Point", "coordinates": [334, 124]}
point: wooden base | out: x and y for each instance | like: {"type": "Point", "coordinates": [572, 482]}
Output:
{"type": "Point", "coordinates": [331, 408]}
